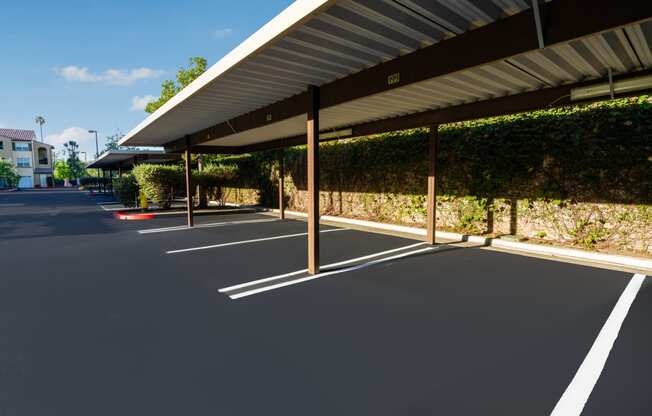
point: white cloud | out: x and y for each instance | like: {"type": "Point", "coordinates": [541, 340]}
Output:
{"type": "Point", "coordinates": [85, 140]}
{"type": "Point", "coordinates": [139, 103]}
{"type": "Point", "coordinates": [77, 134]}
{"type": "Point", "coordinates": [222, 33]}
{"type": "Point", "coordinates": [110, 76]}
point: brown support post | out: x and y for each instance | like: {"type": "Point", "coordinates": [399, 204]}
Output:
{"type": "Point", "coordinates": [281, 185]}
{"type": "Point", "coordinates": [312, 131]}
{"type": "Point", "coordinates": [432, 189]}
{"type": "Point", "coordinates": [189, 190]}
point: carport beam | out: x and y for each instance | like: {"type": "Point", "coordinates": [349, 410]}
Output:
{"type": "Point", "coordinates": [312, 133]}
{"type": "Point", "coordinates": [433, 136]}
{"type": "Point", "coordinates": [188, 183]}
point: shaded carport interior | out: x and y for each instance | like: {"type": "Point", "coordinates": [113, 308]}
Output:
{"type": "Point", "coordinates": [121, 160]}
{"type": "Point", "coordinates": [330, 69]}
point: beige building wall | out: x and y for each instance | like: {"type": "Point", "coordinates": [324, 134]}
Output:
{"type": "Point", "coordinates": [5, 148]}
{"type": "Point", "coordinates": [42, 158]}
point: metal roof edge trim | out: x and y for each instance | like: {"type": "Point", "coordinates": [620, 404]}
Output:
{"type": "Point", "coordinates": [293, 15]}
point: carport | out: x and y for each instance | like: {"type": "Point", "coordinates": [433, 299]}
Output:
{"type": "Point", "coordinates": [333, 69]}
{"type": "Point", "coordinates": [122, 160]}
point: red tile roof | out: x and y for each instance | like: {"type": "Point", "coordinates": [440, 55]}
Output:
{"type": "Point", "coordinates": [15, 134]}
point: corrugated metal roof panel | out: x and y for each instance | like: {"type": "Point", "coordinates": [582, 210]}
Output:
{"type": "Point", "coordinates": [338, 38]}
{"type": "Point", "coordinates": [333, 40]}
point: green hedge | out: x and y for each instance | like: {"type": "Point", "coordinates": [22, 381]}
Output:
{"type": "Point", "coordinates": [159, 182]}
{"type": "Point", "coordinates": [212, 179]}
{"type": "Point", "coordinates": [600, 152]}
{"type": "Point", "coordinates": [125, 189]}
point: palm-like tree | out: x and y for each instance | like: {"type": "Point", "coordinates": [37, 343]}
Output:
{"type": "Point", "coordinates": [40, 121]}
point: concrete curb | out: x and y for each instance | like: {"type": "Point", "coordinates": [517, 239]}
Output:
{"type": "Point", "coordinates": [561, 252]}
{"type": "Point", "coordinates": [173, 213]}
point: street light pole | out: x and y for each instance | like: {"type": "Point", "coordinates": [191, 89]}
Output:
{"type": "Point", "coordinates": [97, 147]}
{"type": "Point", "coordinates": [97, 150]}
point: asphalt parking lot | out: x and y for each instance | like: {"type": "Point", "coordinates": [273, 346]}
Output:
{"type": "Point", "coordinates": [105, 317]}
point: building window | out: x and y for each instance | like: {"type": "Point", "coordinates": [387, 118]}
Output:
{"type": "Point", "coordinates": [21, 147]}
{"type": "Point", "coordinates": [2, 145]}
{"type": "Point", "coordinates": [23, 162]}
{"type": "Point", "coordinates": [42, 156]}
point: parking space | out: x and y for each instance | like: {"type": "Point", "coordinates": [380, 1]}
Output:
{"type": "Point", "coordinates": [121, 321]}
{"type": "Point", "coordinates": [625, 383]}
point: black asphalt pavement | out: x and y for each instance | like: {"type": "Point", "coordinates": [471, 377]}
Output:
{"type": "Point", "coordinates": [96, 319]}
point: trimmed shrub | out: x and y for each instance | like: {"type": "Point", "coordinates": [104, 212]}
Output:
{"type": "Point", "coordinates": [88, 181]}
{"type": "Point", "coordinates": [125, 188]}
{"type": "Point", "coordinates": [159, 182]}
{"type": "Point", "coordinates": [212, 180]}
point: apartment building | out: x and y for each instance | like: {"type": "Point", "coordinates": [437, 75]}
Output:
{"type": "Point", "coordinates": [32, 159]}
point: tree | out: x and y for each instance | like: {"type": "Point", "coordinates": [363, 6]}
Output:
{"type": "Point", "coordinates": [61, 170]}
{"type": "Point", "coordinates": [76, 167]}
{"type": "Point", "coordinates": [40, 121]}
{"type": "Point", "coordinates": [8, 175]}
{"type": "Point", "coordinates": [112, 141]}
{"type": "Point", "coordinates": [197, 66]}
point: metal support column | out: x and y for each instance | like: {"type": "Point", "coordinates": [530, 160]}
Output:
{"type": "Point", "coordinates": [189, 190]}
{"type": "Point", "coordinates": [312, 132]}
{"type": "Point", "coordinates": [432, 188]}
{"type": "Point", "coordinates": [281, 185]}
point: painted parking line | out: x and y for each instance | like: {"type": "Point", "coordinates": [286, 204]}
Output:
{"type": "Point", "coordinates": [209, 225]}
{"type": "Point", "coordinates": [108, 209]}
{"type": "Point", "coordinates": [326, 267]}
{"type": "Point", "coordinates": [577, 393]}
{"type": "Point", "coordinates": [235, 292]}
{"type": "Point", "coordinates": [257, 240]}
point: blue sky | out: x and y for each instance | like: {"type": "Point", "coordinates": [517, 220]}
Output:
{"type": "Point", "coordinates": [88, 64]}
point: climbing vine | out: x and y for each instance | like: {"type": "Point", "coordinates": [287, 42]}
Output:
{"type": "Point", "coordinates": [579, 175]}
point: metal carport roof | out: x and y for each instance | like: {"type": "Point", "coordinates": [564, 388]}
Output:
{"type": "Point", "coordinates": [114, 159]}
{"type": "Point", "coordinates": [381, 59]}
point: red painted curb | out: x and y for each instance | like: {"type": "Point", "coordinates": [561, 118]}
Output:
{"type": "Point", "coordinates": [132, 217]}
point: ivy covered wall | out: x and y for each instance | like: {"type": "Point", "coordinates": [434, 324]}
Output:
{"type": "Point", "coordinates": [579, 176]}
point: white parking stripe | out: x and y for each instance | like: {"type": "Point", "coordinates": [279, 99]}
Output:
{"type": "Point", "coordinates": [210, 225]}
{"type": "Point", "coordinates": [577, 393]}
{"type": "Point", "coordinates": [236, 243]}
{"type": "Point", "coordinates": [325, 274]}
{"type": "Point", "coordinates": [325, 267]}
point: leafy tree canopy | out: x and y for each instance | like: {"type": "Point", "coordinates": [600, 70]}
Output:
{"type": "Point", "coordinates": [197, 66]}
{"type": "Point", "coordinates": [112, 141]}
{"type": "Point", "coordinates": [8, 174]}
{"type": "Point", "coordinates": [61, 170]}
{"type": "Point", "coordinates": [76, 167]}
